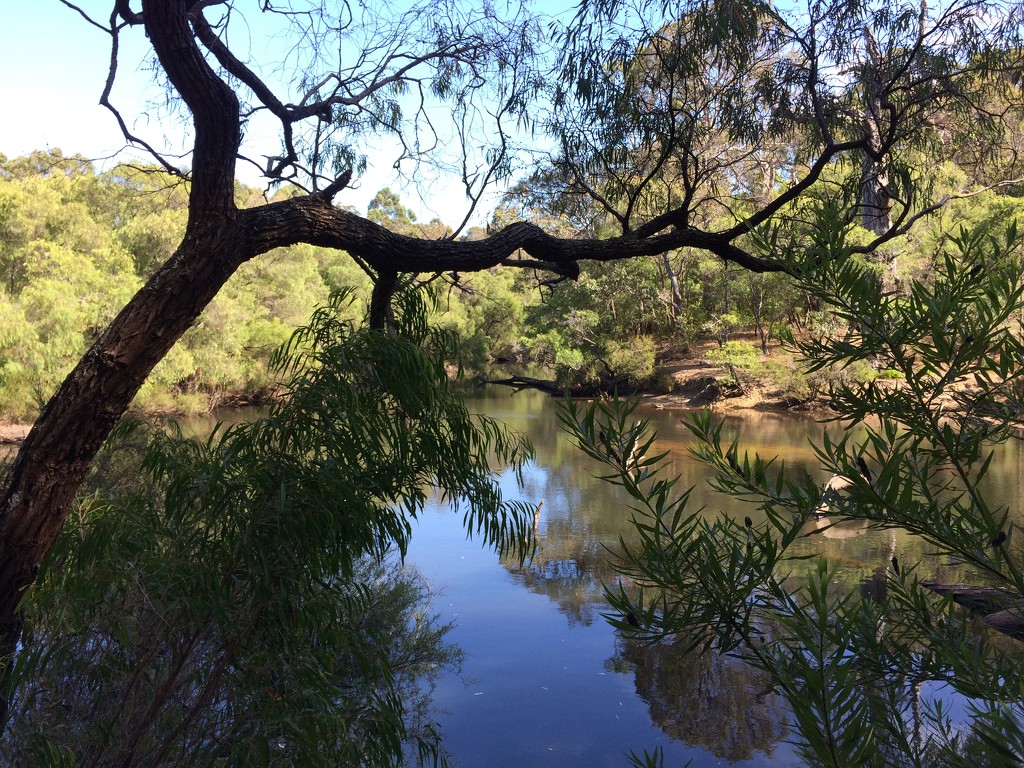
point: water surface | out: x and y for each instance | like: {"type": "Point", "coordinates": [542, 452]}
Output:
{"type": "Point", "coordinates": [546, 680]}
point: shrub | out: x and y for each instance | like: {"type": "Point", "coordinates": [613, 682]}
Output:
{"type": "Point", "coordinates": [633, 358]}
{"type": "Point", "coordinates": [737, 357]}
{"type": "Point", "coordinates": [233, 601]}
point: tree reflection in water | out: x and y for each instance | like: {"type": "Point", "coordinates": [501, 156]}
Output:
{"type": "Point", "coordinates": [709, 703]}
{"type": "Point", "coordinates": [705, 700]}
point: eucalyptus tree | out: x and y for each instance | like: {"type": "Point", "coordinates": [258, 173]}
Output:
{"type": "Point", "coordinates": [356, 70]}
{"type": "Point", "coordinates": [669, 115]}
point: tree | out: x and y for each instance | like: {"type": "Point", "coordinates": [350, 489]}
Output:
{"type": "Point", "coordinates": [851, 664]}
{"type": "Point", "coordinates": [387, 208]}
{"type": "Point", "coordinates": [670, 113]}
{"type": "Point", "coordinates": [234, 600]}
{"type": "Point", "coordinates": [482, 65]}
{"type": "Point", "coordinates": [83, 242]}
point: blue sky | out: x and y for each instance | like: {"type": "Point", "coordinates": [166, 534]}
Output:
{"type": "Point", "coordinates": [52, 69]}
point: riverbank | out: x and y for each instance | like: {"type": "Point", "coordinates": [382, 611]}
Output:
{"type": "Point", "coordinates": [13, 433]}
{"type": "Point", "coordinates": [696, 384]}
{"type": "Point", "coordinates": [699, 383]}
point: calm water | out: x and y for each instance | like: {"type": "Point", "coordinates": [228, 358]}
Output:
{"type": "Point", "coordinates": [546, 681]}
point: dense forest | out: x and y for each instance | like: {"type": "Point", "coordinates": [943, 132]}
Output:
{"type": "Point", "coordinates": [76, 242]}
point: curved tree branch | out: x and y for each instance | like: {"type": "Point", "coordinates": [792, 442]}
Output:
{"type": "Point", "coordinates": [214, 106]}
{"type": "Point", "coordinates": [219, 237]}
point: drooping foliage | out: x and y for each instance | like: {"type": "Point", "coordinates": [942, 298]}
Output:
{"type": "Point", "coordinates": [239, 599]}
{"type": "Point", "coordinates": [704, 127]}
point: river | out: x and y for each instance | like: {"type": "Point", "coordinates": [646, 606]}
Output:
{"type": "Point", "coordinates": [546, 681]}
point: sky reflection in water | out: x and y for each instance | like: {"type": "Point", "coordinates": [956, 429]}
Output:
{"type": "Point", "coordinates": [546, 680]}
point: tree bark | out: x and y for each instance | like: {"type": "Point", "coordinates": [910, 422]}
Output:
{"type": "Point", "coordinates": [380, 300]}
{"type": "Point", "coordinates": [673, 283]}
{"type": "Point", "coordinates": [875, 200]}
{"type": "Point", "coordinates": [875, 203]}
{"type": "Point", "coordinates": [219, 237]}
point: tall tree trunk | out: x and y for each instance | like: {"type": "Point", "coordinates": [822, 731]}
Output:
{"type": "Point", "coordinates": [61, 445]}
{"type": "Point", "coordinates": [875, 202]}
{"type": "Point", "coordinates": [673, 284]}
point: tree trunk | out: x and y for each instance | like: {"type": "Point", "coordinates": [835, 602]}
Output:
{"type": "Point", "coordinates": [673, 284]}
{"type": "Point", "coordinates": [219, 237]}
{"type": "Point", "coordinates": [875, 202]}
{"type": "Point", "coordinates": [60, 447]}
{"type": "Point", "coordinates": [380, 300]}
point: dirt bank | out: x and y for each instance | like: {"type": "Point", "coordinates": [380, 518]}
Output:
{"type": "Point", "coordinates": [13, 433]}
{"type": "Point", "coordinates": [700, 384]}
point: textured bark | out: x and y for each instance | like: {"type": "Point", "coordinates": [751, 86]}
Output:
{"type": "Point", "coordinates": [380, 301]}
{"type": "Point", "coordinates": [219, 238]}
{"type": "Point", "coordinates": [61, 445]}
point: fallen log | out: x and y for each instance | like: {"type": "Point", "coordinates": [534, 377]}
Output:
{"type": "Point", "coordinates": [519, 383]}
{"type": "Point", "coordinates": [1002, 611]}
{"type": "Point", "coordinates": [618, 385]}
{"type": "Point", "coordinates": [1010, 622]}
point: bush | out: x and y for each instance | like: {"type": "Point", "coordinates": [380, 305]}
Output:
{"type": "Point", "coordinates": [664, 382]}
{"type": "Point", "coordinates": [235, 601]}
{"type": "Point", "coordinates": [722, 327]}
{"type": "Point", "coordinates": [633, 359]}
{"type": "Point", "coordinates": [852, 663]}
{"type": "Point", "coordinates": [737, 357]}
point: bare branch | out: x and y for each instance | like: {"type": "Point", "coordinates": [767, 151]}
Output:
{"type": "Point", "coordinates": [108, 87]}
{"type": "Point", "coordinates": [309, 220]}
{"type": "Point", "coordinates": [84, 15]}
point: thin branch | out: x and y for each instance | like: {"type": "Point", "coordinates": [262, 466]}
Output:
{"type": "Point", "coordinates": [84, 15]}
{"type": "Point", "coordinates": [792, 193]}
{"type": "Point", "coordinates": [105, 102]}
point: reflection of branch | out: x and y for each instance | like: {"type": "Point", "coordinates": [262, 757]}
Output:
{"type": "Point", "coordinates": [519, 383]}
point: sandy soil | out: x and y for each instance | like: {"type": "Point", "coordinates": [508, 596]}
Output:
{"type": "Point", "coordinates": [13, 433]}
{"type": "Point", "coordinates": [699, 384]}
